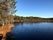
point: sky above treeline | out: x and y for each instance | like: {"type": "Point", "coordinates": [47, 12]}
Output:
{"type": "Point", "coordinates": [37, 8]}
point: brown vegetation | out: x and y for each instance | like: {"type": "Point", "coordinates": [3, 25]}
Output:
{"type": "Point", "coordinates": [5, 29]}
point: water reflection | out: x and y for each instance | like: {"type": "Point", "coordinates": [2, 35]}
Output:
{"type": "Point", "coordinates": [33, 31]}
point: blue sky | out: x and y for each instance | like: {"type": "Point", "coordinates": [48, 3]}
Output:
{"type": "Point", "coordinates": [37, 8]}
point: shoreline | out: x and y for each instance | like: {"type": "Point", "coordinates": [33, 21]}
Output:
{"type": "Point", "coordinates": [35, 21]}
{"type": "Point", "coordinates": [5, 29]}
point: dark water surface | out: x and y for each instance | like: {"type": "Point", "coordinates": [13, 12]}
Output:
{"type": "Point", "coordinates": [33, 31]}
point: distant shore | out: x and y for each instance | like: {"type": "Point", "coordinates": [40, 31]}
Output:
{"type": "Point", "coordinates": [31, 19]}
{"type": "Point", "coordinates": [35, 21]}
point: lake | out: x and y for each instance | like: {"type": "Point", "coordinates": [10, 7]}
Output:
{"type": "Point", "coordinates": [33, 31]}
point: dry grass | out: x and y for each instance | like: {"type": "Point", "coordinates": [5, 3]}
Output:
{"type": "Point", "coordinates": [5, 29]}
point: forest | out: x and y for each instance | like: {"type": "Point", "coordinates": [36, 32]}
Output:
{"type": "Point", "coordinates": [31, 19]}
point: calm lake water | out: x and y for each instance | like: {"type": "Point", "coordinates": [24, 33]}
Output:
{"type": "Point", "coordinates": [33, 31]}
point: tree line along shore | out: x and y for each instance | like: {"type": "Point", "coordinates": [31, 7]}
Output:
{"type": "Point", "coordinates": [31, 19]}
